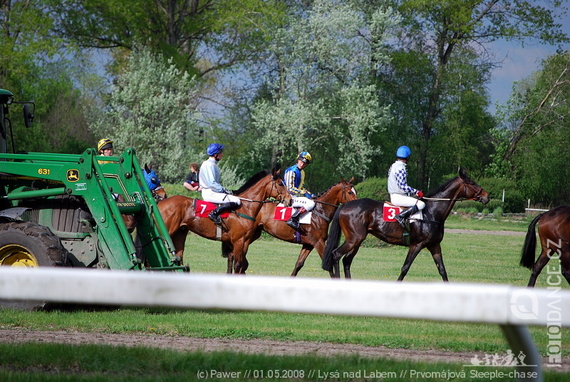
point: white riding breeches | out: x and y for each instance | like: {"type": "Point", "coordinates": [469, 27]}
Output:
{"type": "Point", "coordinates": [218, 197]}
{"type": "Point", "coordinates": [301, 201]}
{"type": "Point", "coordinates": [406, 201]}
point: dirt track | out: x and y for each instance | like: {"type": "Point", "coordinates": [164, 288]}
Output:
{"type": "Point", "coordinates": [255, 346]}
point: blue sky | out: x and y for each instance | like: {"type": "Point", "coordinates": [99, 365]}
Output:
{"type": "Point", "coordinates": [518, 63]}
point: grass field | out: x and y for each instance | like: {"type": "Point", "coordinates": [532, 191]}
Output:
{"type": "Point", "coordinates": [472, 258]}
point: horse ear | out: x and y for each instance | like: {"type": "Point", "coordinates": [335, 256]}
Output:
{"type": "Point", "coordinates": [351, 180]}
{"type": "Point", "coordinates": [146, 168]}
{"type": "Point", "coordinates": [462, 173]}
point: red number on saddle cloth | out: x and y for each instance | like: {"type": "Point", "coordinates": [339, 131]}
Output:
{"type": "Point", "coordinates": [390, 212]}
{"type": "Point", "coordinates": [203, 209]}
{"type": "Point", "coordinates": [282, 213]}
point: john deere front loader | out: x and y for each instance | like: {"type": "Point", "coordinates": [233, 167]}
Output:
{"type": "Point", "coordinates": [70, 210]}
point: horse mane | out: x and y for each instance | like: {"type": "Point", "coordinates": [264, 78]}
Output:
{"type": "Point", "coordinates": [327, 190]}
{"type": "Point", "coordinates": [462, 175]}
{"type": "Point", "coordinates": [253, 180]}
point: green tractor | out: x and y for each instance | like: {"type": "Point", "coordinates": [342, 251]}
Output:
{"type": "Point", "coordinates": [72, 210]}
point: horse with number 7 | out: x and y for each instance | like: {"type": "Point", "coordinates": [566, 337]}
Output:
{"type": "Point", "coordinates": [356, 219]}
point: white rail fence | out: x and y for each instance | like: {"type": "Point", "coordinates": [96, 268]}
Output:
{"type": "Point", "coordinates": [513, 308]}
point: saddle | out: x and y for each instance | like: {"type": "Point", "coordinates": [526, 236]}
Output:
{"type": "Point", "coordinates": [391, 210]}
{"type": "Point", "coordinates": [284, 213]}
{"type": "Point", "coordinates": [202, 209]}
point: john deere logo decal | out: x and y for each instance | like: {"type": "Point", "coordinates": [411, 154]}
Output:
{"type": "Point", "coordinates": [72, 175]}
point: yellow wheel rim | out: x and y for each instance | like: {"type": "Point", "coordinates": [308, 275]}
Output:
{"type": "Point", "coordinates": [14, 255]}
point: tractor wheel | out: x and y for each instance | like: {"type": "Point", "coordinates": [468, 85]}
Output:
{"type": "Point", "coordinates": [29, 244]}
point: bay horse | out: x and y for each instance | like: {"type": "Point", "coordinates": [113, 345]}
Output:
{"type": "Point", "coordinates": [238, 228]}
{"type": "Point", "coordinates": [360, 217]}
{"type": "Point", "coordinates": [554, 233]}
{"type": "Point", "coordinates": [312, 235]}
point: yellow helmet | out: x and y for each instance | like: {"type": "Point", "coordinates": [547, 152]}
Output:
{"type": "Point", "coordinates": [305, 157]}
{"type": "Point", "coordinates": [104, 143]}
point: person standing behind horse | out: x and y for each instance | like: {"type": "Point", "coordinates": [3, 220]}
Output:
{"type": "Point", "coordinates": [401, 194]}
{"type": "Point", "coordinates": [192, 181]}
{"type": "Point", "coordinates": [295, 182]}
{"type": "Point", "coordinates": [212, 190]}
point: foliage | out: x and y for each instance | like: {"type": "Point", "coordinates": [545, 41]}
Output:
{"type": "Point", "coordinates": [153, 109]}
{"type": "Point", "coordinates": [534, 136]}
{"type": "Point", "coordinates": [373, 188]}
{"type": "Point", "coordinates": [37, 66]}
{"type": "Point", "coordinates": [321, 100]}
{"type": "Point", "coordinates": [442, 34]}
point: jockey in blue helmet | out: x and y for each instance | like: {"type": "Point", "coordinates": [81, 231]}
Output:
{"type": "Point", "coordinates": [401, 194]}
{"type": "Point", "coordinates": [212, 190]}
{"type": "Point", "coordinates": [294, 181]}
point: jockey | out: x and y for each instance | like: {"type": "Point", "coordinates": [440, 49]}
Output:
{"type": "Point", "coordinates": [212, 190]}
{"type": "Point", "coordinates": [105, 147]}
{"type": "Point", "coordinates": [400, 193]}
{"type": "Point", "coordinates": [294, 181]}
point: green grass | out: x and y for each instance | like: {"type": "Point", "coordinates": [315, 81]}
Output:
{"type": "Point", "coordinates": [470, 258]}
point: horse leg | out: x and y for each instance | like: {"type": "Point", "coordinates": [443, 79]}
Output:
{"type": "Point", "coordinates": [438, 258]}
{"type": "Point", "coordinates": [538, 266]}
{"type": "Point", "coordinates": [239, 252]}
{"type": "Point", "coordinates": [412, 253]}
{"type": "Point", "coordinates": [305, 251]}
{"type": "Point", "coordinates": [565, 263]}
{"type": "Point", "coordinates": [347, 262]}
{"type": "Point", "coordinates": [179, 240]}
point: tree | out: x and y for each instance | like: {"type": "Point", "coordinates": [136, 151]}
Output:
{"type": "Point", "coordinates": [320, 99]}
{"type": "Point", "coordinates": [535, 133]}
{"type": "Point", "coordinates": [38, 66]}
{"type": "Point", "coordinates": [438, 29]}
{"type": "Point", "coordinates": [152, 108]}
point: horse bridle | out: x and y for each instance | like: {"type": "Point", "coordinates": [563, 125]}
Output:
{"type": "Point", "coordinates": [466, 186]}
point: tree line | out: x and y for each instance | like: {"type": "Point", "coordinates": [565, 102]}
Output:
{"type": "Point", "coordinates": [348, 81]}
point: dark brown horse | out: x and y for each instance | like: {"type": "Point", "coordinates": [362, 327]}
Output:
{"type": "Point", "coordinates": [554, 233]}
{"type": "Point", "coordinates": [312, 235]}
{"type": "Point", "coordinates": [358, 218]}
{"type": "Point", "coordinates": [238, 228]}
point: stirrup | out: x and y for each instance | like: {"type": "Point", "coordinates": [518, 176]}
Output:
{"type": "Point", "coordinates": [215, 218]}
{"type": "Point", "coordinates": [293, 224]}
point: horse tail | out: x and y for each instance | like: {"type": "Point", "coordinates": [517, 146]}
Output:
{"type": "Point", "coordinates": [529, 247]}
{"type": "Point", "coordinates": [333, 241]}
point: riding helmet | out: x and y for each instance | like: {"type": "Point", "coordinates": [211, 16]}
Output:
{"type": "Point", "coordinates": [305, 157]}
{"type": "Point", "coordinates": [403, 152]}
{"type": "Point", "coordinates": [104, 144]}
{"type": "Point", "coordinates": [214, 148]}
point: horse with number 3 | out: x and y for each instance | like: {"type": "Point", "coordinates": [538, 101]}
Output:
{"type": "Point", "coordinates": [237, 230]}
{"type": "Point", "coordinates": [554, 233]}
{"type": "Point", "coordinates": [356, 219]}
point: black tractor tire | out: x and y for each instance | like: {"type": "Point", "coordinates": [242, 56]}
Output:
{"type": "Point", "coordinates": [28, 244]}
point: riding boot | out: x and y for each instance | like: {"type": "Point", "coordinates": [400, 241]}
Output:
{"type": "Point", "coordinates": [293, 222]}
{"type": "Point", "coordinates": [215, 214]}
{"type": "Point", "coordinates": [401, 217]}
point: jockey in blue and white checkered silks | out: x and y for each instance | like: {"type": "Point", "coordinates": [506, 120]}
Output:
{"type": "Point", "coordinates": [401, 194]}
{"type": "Point", "coordinates": [294, 178]}
{"type": "Point", "coordinates": [212, 190]}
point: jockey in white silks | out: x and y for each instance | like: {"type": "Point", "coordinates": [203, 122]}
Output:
{"type": "Point", "coordinates": [212, 190]}
{"type": "Point", "coordinates": [401, 194]}
{"type": "Point", "coordinates": [294, 178]}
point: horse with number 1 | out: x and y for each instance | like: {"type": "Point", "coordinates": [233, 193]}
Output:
{"type": "Point", "coordinates": [356, 219]}
{"type": "Point", "coordinates": [554, 233]}
{"type": "Point", "coordinates": [313, 234]}
{"type": "Point", "coordinates": [182, 214]}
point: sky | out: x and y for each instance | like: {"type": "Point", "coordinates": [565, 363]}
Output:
{"type": "Point", "coordinates": [518, 63]}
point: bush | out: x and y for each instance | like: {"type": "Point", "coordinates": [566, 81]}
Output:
{"type": "Point", "coordinates": [373, 188]}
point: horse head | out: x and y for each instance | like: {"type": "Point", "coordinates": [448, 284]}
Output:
{"type": "Point", "coordinates": [278, 189]}
{"type": "Point", "coordinates": [472, 190]}
{"type": "Point", "coordinates": [153, 183]}
{"type": "Point", "coordinates": [339, 193]}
